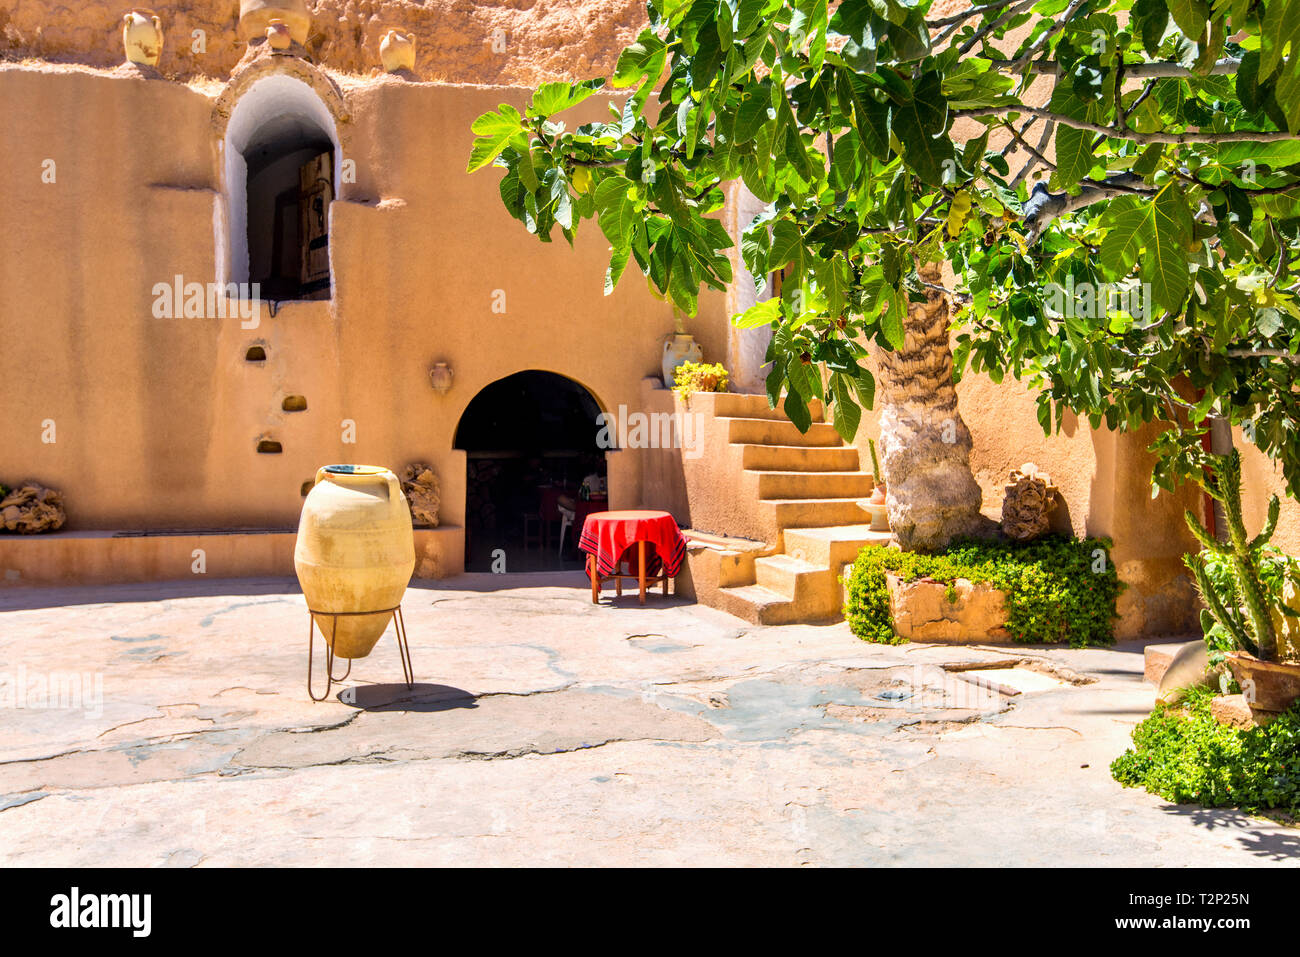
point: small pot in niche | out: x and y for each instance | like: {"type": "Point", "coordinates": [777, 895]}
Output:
{"type": "Point", "coordinates": [440, 377]}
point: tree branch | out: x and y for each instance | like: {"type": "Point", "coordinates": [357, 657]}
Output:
{"type": "Point", "coordinates": [980, 34]}
{"type": "Point", "coordinates": [1042, 208]}
{"type": "Point", "coordinates": [1019, 62]}
{"type": "Point", "coordinates": [1157, 69]}
{"type": "Point", "coordinates": [967, 14]}
{"type": "Point", "coordinates": [1180, 139]}
{"type": "Point", "coordinates": [1263, 353]}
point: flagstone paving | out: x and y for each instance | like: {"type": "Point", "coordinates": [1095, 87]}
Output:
{"type": "Point", "coordinates": [545, 730]}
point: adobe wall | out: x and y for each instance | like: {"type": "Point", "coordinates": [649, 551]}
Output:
{"type": "Point", "coordinates": [157, 420]}
{"type": "Point", "coordinates": [551, 40]}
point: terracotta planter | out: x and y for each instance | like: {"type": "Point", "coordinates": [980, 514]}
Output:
{"type": "Point", "coordinates": [1268, 685]}
{"type": "Point", "coordinates": [355, 553]}
{"type": "Point", "coordinates": [256, 15]}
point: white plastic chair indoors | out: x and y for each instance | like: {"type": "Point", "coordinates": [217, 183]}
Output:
{"type": "Point", "coordinates": [567, 516]}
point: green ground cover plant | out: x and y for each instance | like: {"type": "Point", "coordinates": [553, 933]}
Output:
{"type": "Point", "coordinates": [1182, 754]}
{"type": "Point", "coordinates": [1058, 589]}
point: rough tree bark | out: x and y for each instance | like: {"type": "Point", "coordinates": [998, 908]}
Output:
{"type": "Point", "coordinates": [931, 494]}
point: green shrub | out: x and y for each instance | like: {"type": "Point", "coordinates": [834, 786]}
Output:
{"type": "Point", "coordinates": [1058, 589]}
{"type": "Point", "coordinates": [1182, 754]}
{"type": "Point", "coordinates": [699, 377]}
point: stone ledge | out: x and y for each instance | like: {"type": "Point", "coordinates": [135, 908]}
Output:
{"type": "Point", "coordinates": [93, 557]}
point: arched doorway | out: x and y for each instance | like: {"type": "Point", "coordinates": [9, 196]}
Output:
{"type": "Point", "coordinates": [281, 159]}
{"type": "Point", "coordinates": [530, 443]}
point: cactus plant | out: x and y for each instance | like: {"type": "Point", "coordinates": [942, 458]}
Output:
{"type": "Point", "coordinates": [1242, 608]}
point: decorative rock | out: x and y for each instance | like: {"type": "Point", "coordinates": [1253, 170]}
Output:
{"type": "Point", "coordinates": [397, 51]}
{"type": "Point", "coordinates": [423, 493]}
{"type": "Point", "coordinates": [278, 35]}
{"type": "Point", "coordinates": [922, 612]}
{"type": "Point", "coordinates": [142, 38]}
{"type": "Point", "coordinates": [1029, 501]}
{"type": "Point", "coordinates": [32, 508]}
{"type": "Point", "coordinates": [1233, 711]}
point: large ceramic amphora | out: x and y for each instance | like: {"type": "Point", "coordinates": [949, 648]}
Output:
{"type": "Point", "coordinates": [355, 553]}
{"type": "Point", "coordinates": [256, 15]}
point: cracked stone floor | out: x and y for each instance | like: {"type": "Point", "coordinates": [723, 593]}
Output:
{"type": "Point", "coordinates": [545, 730]}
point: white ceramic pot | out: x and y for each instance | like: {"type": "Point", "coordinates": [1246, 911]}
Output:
{"type": "Point", "coordinates": [679, 348]}
{"type": "Point", "coordinates": [142, 38]}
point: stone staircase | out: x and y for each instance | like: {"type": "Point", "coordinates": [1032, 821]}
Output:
{"type": "Point", "coordinates": [808, 485]}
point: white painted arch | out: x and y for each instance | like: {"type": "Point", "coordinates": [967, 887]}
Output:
{"type": "Point", "coordinates": [274, 107]}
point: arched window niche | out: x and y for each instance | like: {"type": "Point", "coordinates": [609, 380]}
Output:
{"type": "Point", "coordinates": [282, 164]}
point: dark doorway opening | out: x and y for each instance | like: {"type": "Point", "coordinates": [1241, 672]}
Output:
{"type": "Point", "coordinates": [531, 457]}
{"type": "Point", "coordinates": [290, 188]}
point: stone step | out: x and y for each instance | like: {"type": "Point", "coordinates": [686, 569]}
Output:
{"type": "Point", "coordinates": [737, 405]}
{"type": "Point", "coordinates": [833, 546]}
{"type": "Point", "coordinates": [814, 512]}
{"type": "Point", "coordinates": [761, 606]}
{"type": "Point", "coordinates": [814, 484]}
{"type": "Point", "coordinates": [781, 432]}
{"type": "Point", "coordinates": [814, 590]}
{"type": "Point", "coordinates": [799, 458]}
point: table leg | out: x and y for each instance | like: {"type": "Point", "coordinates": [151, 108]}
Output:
{"type": "Point", "coordinates": [640, 554]}
{"type": "Point", "coordinates": [665, 584]}
{"type": "Point", "coordinates": [595, 580]}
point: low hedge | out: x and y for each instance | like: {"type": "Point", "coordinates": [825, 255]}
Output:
{"type": "Point", "coordinates": [1057, 588]}
{"type": "Point", "coordinates": [1182, 754]}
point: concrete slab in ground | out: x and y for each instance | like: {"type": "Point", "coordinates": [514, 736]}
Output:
{"type": "Point", "coordinates": [546, 730]}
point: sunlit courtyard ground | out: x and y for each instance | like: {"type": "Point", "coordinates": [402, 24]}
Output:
{"type": "Point", "coordinates": [545, 730]}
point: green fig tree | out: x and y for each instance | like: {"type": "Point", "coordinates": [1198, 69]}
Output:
{"type": "Point", "coordinates": [1121, 215]}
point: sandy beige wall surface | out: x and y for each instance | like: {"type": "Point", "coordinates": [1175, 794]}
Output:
{"type": "Point", "coordinates": [503, 42]}
{"type": "Point", "coordinates": [157, 420]}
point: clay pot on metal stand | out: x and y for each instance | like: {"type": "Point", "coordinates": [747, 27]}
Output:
{"type": "Point", "coordinates": [355, 554]}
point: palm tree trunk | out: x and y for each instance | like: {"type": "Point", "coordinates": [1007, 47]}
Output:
{"type": "Point", "coordinates": [931, 494]}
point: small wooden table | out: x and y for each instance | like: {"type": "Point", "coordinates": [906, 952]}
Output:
{"type": "Point", "coordinates": [606, 536]}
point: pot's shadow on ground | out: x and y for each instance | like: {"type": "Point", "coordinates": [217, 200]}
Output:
{"type": "Point", "coordinates": [396, 696]}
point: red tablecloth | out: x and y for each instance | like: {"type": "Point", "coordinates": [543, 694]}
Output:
{"type": "Point", "coordinates": [607, 534]}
